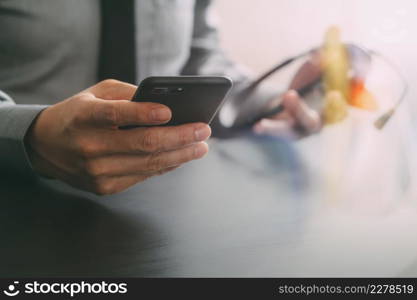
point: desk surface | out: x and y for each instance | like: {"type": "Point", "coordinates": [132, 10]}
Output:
{"type": "Point", "coordinates": [252, 207]}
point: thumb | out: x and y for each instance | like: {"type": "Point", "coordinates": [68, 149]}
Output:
{"type": "Point", "coordinates": [111, 89]}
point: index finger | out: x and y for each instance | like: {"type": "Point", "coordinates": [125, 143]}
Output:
{"type": "Point", "coordinates": [156, 138]}
{"type": "Point", "coordinates": [115, 113]}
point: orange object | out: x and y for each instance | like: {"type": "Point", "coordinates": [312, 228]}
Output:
{"type": "Point", "coordinates": [360, 97]}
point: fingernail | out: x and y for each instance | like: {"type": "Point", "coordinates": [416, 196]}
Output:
{"type": "Point", "coordinates": [200, 150]}
{"type": "Point", "coordinates": [160, 114]}
{"type": "Point", "coordinates": [202, 133]}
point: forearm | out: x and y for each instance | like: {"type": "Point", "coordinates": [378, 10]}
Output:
{"type": "Point", "coordinates": [15, 120]}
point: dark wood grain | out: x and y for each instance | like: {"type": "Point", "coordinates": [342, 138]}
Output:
{"type": "Point", "coordinates": [244, 210]}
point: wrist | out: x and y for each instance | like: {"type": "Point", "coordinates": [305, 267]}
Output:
{"type": "Point", "coordinates": [33, 142]}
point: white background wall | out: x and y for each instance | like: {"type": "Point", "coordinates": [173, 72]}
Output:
{"type": "Point", "coordinates": [259, 33]}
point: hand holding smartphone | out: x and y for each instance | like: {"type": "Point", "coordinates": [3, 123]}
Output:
{"type": "Point", "coordinates": [190, 98]}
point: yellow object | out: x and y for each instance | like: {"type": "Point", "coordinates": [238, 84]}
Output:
{"type": "Point", "coordinates": [335, 63]}
{"type": "Point", "coordinates": [335, 107]}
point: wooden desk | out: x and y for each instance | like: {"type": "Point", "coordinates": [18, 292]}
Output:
{"type": "Point", "coordinates": [252, 207]}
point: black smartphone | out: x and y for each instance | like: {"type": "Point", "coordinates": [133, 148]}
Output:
{"type": "Point", "coordinates": [190, 98]}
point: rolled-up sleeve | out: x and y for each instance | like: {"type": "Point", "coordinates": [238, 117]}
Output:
{"type": "Point", "coordinates": [15, 120]}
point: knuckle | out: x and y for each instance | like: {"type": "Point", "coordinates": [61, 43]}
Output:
{"type": "Point", "coordinates": [80, 106]}
{"type": "Point", "coordinates": [183, 137]}
{"type": "Point", "coordinates": [94, 169]}
{"type": "Point", "coordinates": [109, 113]}
{"type": "Point", "coordinates": [186, 155]}
{"type": "Point", "coordinates": [150, 140]}
{"type": "Point", "coordinates": [142, 112]}
{"type": "Point", "coordinates": [155, 162]}
{"type": "Point", "coordinates": [109, 82]}
{"type": "Point", "coordinates": [190, 154]}
{"type": "Point", "coordinates": [87, 149]}
{"type": "Point", "coordinates": [103, 187]}
{"type": "Point", "coordinates": [82, 97]}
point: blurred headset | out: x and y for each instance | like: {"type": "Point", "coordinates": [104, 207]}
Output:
{"type": "Point", "coordinates": [242, 112]}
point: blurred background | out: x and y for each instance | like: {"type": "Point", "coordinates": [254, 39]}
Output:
{"type": "Point", "coordinates": [264, 32]}
{"type": "Point", "coordinates": [261, 34]}
{"type": "Point", "coordinates": [365, 179]}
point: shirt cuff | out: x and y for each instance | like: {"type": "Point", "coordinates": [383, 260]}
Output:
{"type": "Point", "coordinates": [15, 121]}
